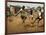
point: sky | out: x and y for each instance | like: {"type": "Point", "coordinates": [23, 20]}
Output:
{"type": "Point", "coordinates": [30, 5]}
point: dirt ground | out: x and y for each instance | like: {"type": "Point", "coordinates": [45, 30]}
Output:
{"type": "Point", "coordinates": [16, 25]}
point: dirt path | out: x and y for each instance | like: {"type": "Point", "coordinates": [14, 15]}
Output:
{"type": "Point", "coordinates": [14, 25]}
